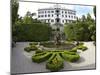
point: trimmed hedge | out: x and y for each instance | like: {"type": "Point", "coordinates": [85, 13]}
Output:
{"type": "Point", "coordinates": [33, 32]}
{"type": "Point", "coordinates": [70, 58]}
{"type": "Point", "coordinates": [73, 49]}
{"type": "Point", "coordinates": [30, 48]}
{"type": "Point", "coordinates": [70, 53]}
{"type": "Point", "coordinates": [33, 43]}
{"type": "Point", "coordinates": [40, 57]}
{"type": "Point", "coordinates": [81, 47]}
{"type": "Point", "coordinates": [27, 49]}
{"type": "Point", "coordinates": [55, 63]}
{"type": "Point", "coordinates": [81, 43]}
{"type": "Point", "coordinates": [38, 51]}
{"type": "Point", "coordinates": [54, 58]}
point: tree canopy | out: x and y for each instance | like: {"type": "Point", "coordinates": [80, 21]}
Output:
{"type": "Point", "coordinates": [82, 30]}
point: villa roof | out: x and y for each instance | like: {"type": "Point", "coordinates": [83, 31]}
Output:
{"type": "Point", "coordinates": [56, 7]}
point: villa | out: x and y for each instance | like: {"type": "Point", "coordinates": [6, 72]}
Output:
{"type": "Point", "coordinates": [56, 15]}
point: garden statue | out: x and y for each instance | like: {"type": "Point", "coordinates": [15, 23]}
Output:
{"type": "Point", "coordinates": [57, 37]}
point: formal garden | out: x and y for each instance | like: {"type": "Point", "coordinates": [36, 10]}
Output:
{"type": "Point", "coordinates": [54, 58]}
{"type": "Point", "coordinates": [47, 44]}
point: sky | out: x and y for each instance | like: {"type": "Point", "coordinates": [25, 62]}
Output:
{"type": "Point", "coordinates": [33, 7]}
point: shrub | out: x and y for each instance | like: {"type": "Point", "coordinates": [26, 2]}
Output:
{"type": "Point", "coordinates": [81, 43]}
{"type": "Point", "coordinates": [70, 53]}
{"type": "Point", "coordinates": [47, 44]}
{"type": "Point", "coordinates": [33, 43]}
{"type": "Point", "coordinates": [33, 32]}
{"type": "Point", "coordinates": [38, 51]}
{"type": "Point", "coordinates": [40, 57]}
{"type": "Point", "coordinates": [55, 63]}
{"type": "Point", "coordinates": [27, 49]}
{"type": "Point", "coordinates": [73, 49]}
{"type": "Point", "coordinates": [54, 58]}
{"type": "Point", "coordinates": [31, 48]}
{"type": "Point", "coordinates": [53, 55]}
{"type": "Point", "coordinates": [70, 58]}
{"type": "Point", "coordinates": [81, 47]}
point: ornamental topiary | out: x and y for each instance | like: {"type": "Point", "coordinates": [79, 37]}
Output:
{"type": "Point", "coordinates": [81, 47]}
{"type": "Point", "coordinates": [70, 58]}
{"type": "Point", "coordinates": [73, 49]}
{"type": "Point", "coordinates": [33, 43]}
{"type": "Point", "coordinates": [30, 48]}
{"type": "Point", "coordinates": [55, 58]}
{"type": "Point", "coordinates": [27, 49]}
{"type": "Point", "coordinates": [40, 57]}
{"type": "Point", "coordinates": [55, 63]}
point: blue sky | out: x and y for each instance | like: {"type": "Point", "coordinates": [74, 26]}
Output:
{"type": "Point", "coordinates": [84, 10]}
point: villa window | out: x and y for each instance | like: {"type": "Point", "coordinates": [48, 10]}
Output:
{"type": "Point", "coordinates": [45, 15]}
{"type": "Point", "coordinates": [69, 16]}
{"type": "Point", "coordinates": [48, 15]}
{"type": "Point", "coordinates": [52, 11]}
{"type": "Point", "coordinates": [62, 15]}
{"type": "Point", "coordinates": [66, 15]}
{"type": "Point", "coordinates": [45, 11]}
{"type": "Point", "coordinates": [38, 15]}
{"type": "Point", "coordinates": [42, 16]}
{"type": "Point", "coordinates": [65, 12]}
{"type": "Point", "coordinates": [62, 11]}
{"type": "Point", "coordinates": [57, 15]}
{"type": "Point", "coordinates": [52, 15]}
{"type": "Point", "coordinates": [48, 11]}
{"type": "Point", "coordinates": [57, 11]}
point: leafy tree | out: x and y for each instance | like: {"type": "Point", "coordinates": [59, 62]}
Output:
{"type": "Point", "coordinates": [94, 10]}
{"type": "Point", "coordinates": [14, 9]}
{"type": "Point", "coordinates": [81, 30]}
{"type": "Point", "coordinates": [93, 27]}
{"type": "Point", "coordinates": [69, 31]}
{"type": "Point", "coordinates": [14, 17]}
{"type": "Point", "coordinates": [29, 29]}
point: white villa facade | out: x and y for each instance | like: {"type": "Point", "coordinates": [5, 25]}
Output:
{"type": "Point", "coordinates": [56, 14]}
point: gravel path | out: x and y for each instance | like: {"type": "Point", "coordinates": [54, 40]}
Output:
{"type": "Point", "coordinates": [21, 61]}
